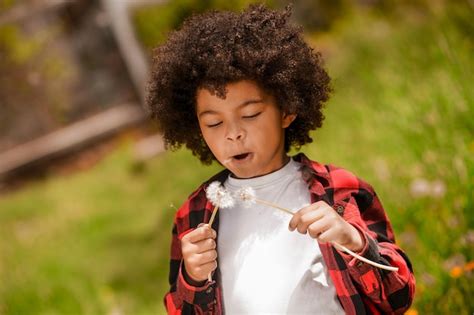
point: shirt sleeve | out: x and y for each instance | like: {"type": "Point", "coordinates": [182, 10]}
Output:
{"type": "Point", "coordinates": [182, 297]}
{"type": "Point", "coordinates": [391, 291]}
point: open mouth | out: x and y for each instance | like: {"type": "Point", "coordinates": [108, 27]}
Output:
{"type": "Point", "coordinates": [241, 156]}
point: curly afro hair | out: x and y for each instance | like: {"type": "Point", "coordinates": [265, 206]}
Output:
{"type": "Point", "coordinates": [219, 47]}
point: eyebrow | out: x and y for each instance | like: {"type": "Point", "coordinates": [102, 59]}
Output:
{"type": "Point", "coordinates": [248, 102]}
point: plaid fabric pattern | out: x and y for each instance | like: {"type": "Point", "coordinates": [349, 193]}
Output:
{"type": "Point", "coordinates": [361, 288]}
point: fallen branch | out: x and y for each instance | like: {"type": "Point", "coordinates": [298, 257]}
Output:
{"type": "Point", "coordinates": [70, 138]}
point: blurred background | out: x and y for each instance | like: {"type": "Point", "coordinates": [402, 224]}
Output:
{"type": "Point", "coordinates": [87, 194]}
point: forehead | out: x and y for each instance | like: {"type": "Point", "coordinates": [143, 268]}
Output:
{"type": "Point", "coordinates": [237, 93]}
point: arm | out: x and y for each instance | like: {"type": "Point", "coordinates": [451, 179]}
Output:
{"type": "Point", "coordinates": [183, 297]}
{"type": "Point", "coordinates": [391, 291]}
{"type": "Point", "coordinates": [357, 221]}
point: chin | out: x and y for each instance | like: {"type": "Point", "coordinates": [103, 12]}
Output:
{"type": "Point", "coordinates": [246, 174]}
{"type": "Point", "coordinates": [242, 174]}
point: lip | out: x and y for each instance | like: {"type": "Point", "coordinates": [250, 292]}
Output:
{"type": "Point", "coordinates": [241, 161]}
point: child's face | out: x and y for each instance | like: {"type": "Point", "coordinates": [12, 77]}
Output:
{"type": "Point", "coordinates": [246, 130]}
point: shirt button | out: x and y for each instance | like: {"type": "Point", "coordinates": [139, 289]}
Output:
{"type": "Point", "coordinates": [340, 210]}
{"type": "Point", "coordinates": [209, 290]}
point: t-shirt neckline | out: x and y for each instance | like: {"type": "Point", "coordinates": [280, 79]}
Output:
{"type": "Point", "coordinates": [259, 181]}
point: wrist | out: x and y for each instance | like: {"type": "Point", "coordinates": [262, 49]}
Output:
{"type": "Point", "coordinates": [357, 240]}
{"type": "Point", "coordinates": [192, 281]}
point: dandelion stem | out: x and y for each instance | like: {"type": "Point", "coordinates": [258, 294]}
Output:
{"type": "Point", "coordinates": [338, 246]}
{"type": "Point", "coordinates": [209, 277]}
{"type": "Point", "coordinates": [370, 262]}
{"type": "Point", "coordinates": [213, 215]}
{"type": "Point", "coordinates": [264, 202]}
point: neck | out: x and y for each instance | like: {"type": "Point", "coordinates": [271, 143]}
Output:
{"type": "Point", "coordinates": [285, 161]}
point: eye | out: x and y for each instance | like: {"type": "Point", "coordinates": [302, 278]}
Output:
{"type": "Point", "coordinates": [252, 116]}
{"type": "Point", "coordinates": [214, 125]}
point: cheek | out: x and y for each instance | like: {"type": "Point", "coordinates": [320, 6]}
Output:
{"type": "Point", "coordinates": [211, 139]}
{"type": "Point", "coordinates": [269, 131]}
{"type": "Point", "coordinates": [207, 137]}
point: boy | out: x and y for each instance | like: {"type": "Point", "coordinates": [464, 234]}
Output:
{"type": "Point", "coordinates": [242, 89]}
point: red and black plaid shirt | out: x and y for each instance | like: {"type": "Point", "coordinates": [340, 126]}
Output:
{"type": "Point", "coordinates": [361, 288]}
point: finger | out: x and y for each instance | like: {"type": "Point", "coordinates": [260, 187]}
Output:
{"type": "Point", "coordinates": [307, 219]}
{"type": "Point", "coordinates": [297, 216]}
{"type": "Point", "coordinates": [207, 257]}
{"type": "Point", "coordinates": [198, 247]}
{"type": "Point", "coordinates": [203, 271]}
{"type": "Point", "coordinates": [194, 236]}
{"type": "Point", "coordinates": [200, 234]}
{"type": "Point", "coordinates": [328, 236]}
{"type": "Point", "coordinates": [211, 266]}
{"type": "Point", "coordinates": [317, 228]}
{"type": "Point", "coordinates": [205, 245]}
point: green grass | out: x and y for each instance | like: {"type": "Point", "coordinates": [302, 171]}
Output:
{"type": "Point", "coordinates": [92, 242]}
{"type": "Point", "coordinates": [402, 110]}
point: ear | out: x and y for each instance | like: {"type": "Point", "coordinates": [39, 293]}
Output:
{"type": "Point", "coordinates": [287, 119]}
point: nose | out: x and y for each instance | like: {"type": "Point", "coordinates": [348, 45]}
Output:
{"type": "Point", "coordinates": [235, 132]}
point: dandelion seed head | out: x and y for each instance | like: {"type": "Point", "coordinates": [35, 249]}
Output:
{"type": "Point", "coordinates": [246, 195]}
{"type": "Point", "coordinates": [226, 201]}
{"type": "Point", "coordinates": [212, 191]}
{"type": "Point", "coordinates": [219, 196]}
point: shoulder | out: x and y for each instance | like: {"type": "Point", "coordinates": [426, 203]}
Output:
{"type": "Point", "coordinates": [333, 177]}
{"type": "Point", "coordinates": [341, 187]}
{"type": "Point", "coordinates": [342, 178]}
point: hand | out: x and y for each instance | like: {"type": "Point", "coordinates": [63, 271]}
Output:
{"type": "Point", "coordinates": [199, 254]}
{"type": "Point", "coordinates": [322, 222]}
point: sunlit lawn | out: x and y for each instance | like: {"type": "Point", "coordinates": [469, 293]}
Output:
{"type": "Point", "coordinates": [401, 118]}
{"type": "Point", "coordinates": [96, 241]}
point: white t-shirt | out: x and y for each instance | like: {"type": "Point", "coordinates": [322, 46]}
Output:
{"type": "Point", "coordinates": [265, 268]}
